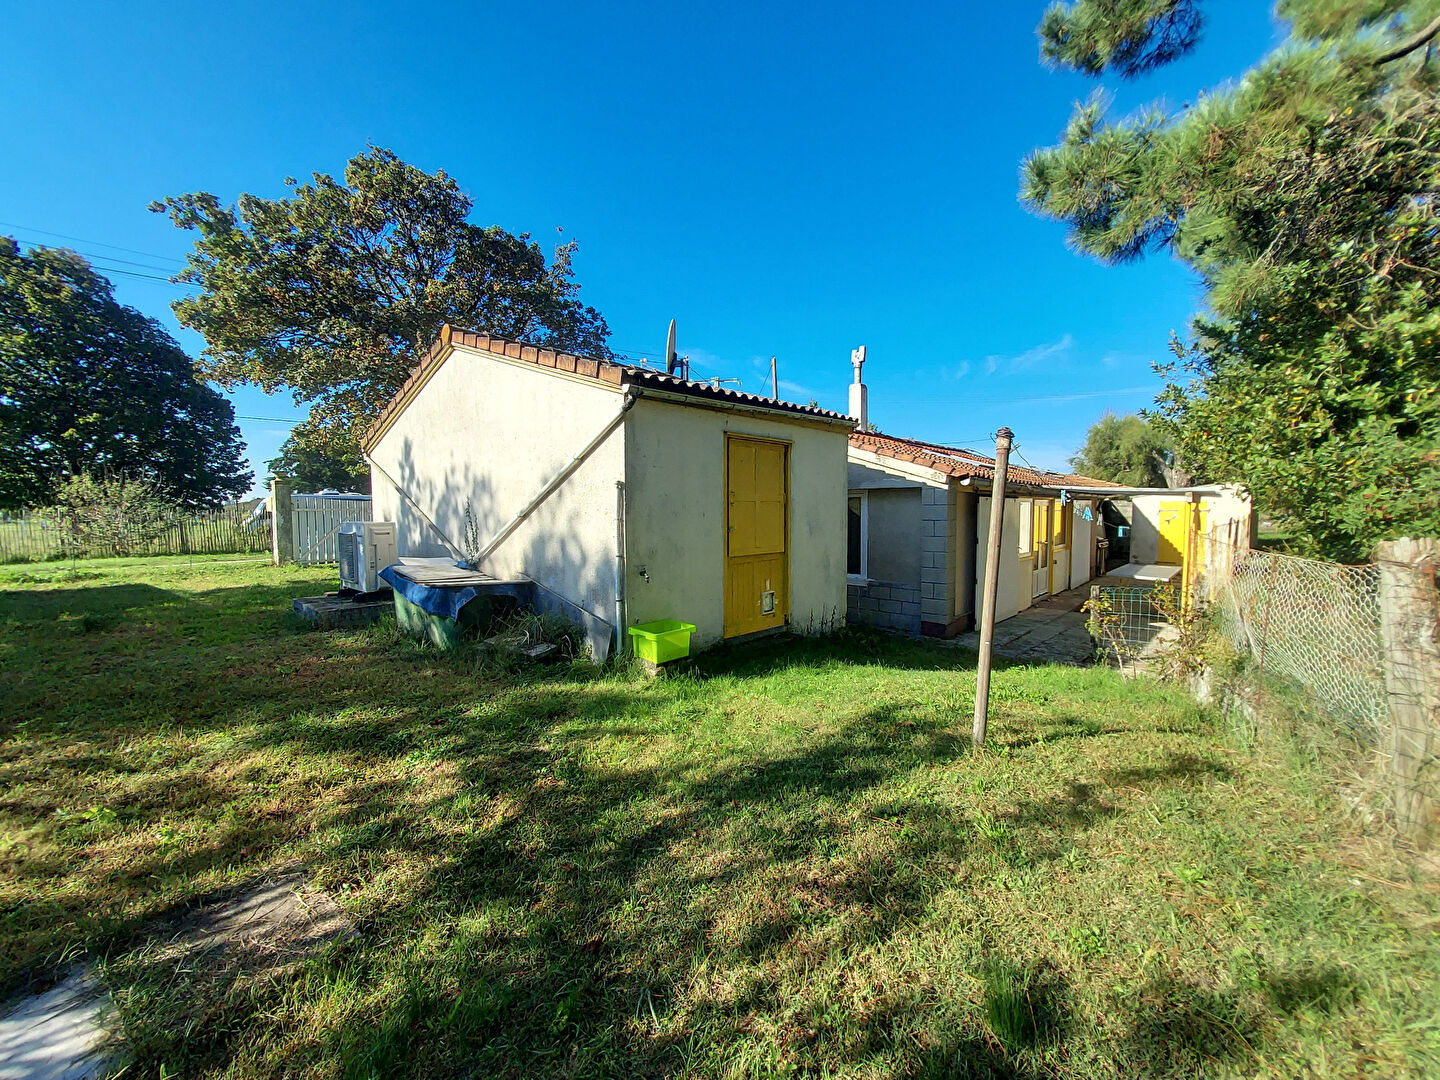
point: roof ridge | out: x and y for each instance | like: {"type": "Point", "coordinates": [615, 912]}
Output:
{"type": "Point", "coordinates": [544, 356]}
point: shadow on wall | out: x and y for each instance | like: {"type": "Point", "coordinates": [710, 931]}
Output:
{"type": "Point", "coordinates": [574, 581]}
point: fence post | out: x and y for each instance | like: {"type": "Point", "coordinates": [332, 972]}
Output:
{"type": "Point", "coordinates": [1410, 629]}
{"type": "Point", "coordinates": [282, 515]}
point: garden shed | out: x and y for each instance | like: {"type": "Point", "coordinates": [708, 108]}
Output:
{"type": "Point", "coordinates": [624, 493]}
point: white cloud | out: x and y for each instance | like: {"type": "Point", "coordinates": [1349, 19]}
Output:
{"type": "Point", "coordinates": [1031, 357]}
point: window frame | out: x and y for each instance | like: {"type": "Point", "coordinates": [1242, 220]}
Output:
{"type": "Point", "coordinates": [1061, 530]}
{"type": "Point", "coordinates": [863, 577]}
{"type": "Point", "coordinates": [1026, 508]}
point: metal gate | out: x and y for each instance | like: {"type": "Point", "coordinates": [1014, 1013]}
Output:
{"type": "Point", "coordinates": [317, 518]}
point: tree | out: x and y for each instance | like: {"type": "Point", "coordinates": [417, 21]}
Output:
{"type": "Point", "coordinates": [1304, 195]}
{"type": "Point", "coordinates": [1124, 450]}
{"type": "Point", "coordinates": [88, 385]}
{"type": "Point", "coordinates": [337, 291]}
{"type": "Point", "coordinates": [314, 469]}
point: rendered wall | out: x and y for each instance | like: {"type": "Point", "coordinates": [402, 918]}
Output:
{"type": "Point", "coordinates": [1082, 541]}
{"type": "Point", "coordinates": [675, 516]}
{"type": "Point", "coordinates": [1220, 509]}
{"type": "Point", "coordinates": [1012, 597]}
{"type": "Point", "coordinates": [1145, 526]}
{"type": "Point", "coordinates": [494, 432]}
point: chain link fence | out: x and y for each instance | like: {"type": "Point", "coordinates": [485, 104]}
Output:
{"type": "Point", "coordinates": [1315, 624]}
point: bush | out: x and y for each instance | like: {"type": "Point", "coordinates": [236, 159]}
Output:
{"type": "Point", "coordinates": [109, 515]}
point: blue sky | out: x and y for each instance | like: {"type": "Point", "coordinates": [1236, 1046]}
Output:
{"type": "Point", "coordinates": [784, 179]}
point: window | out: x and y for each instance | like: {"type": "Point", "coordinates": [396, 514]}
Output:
{"type": "Point", "coordinates": [1027, 523]}
{"type": "Point", "coordinates": [857, 556]}
{"type": "Point", "coordinates": [1062, 523]}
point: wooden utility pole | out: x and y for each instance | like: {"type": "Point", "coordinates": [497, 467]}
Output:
{"type": "Point", "coordinates": [1003, 438]}
{"type": "Point", "coordinates": [774, 381]}
{"type": "Point", "coordinates": [1410, 629]}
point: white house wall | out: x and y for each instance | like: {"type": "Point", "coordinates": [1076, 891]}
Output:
{"type": "Point", "coordinates": [675, 516]}
{"type": "Point", "coordinates": [1012, 596]}
{"type": "Point", "coordinates": [1221, 508]}
{"type": "Point", "coordinates": [494, 432]}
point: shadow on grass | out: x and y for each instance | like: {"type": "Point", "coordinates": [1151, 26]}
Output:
{"type": "Point", "coordinates": [531, 905]}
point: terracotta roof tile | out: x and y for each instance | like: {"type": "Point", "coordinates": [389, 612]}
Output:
{"type": "Point", "coordinates": [606, 371]}
{"type": "Point", "coordinates": [963, 463]}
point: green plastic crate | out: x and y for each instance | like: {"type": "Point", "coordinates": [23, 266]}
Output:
{"type": "Point", "coordinates": [662, 640]}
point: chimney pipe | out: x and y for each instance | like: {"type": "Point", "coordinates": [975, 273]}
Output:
{"type": "Point", "coordinates": [859, 396]}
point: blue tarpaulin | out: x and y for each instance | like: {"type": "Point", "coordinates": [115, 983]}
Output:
{"type": "Point", "coordinates": [443, 600]}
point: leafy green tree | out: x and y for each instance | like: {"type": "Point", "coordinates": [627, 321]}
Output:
{"type": "Point", "coordinates": [1305, 197]}
{"type": "Point", "coordinates": [336, 291]}
{"type": "Point", "coordinates": [315, 469]}
{"type": "Point", "coordinates": [1124, 450]}
{"type": "Point", "coordinates": [88, 385]}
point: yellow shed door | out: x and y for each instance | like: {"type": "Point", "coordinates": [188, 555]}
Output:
{"type": "Point", "coordinates": [757, 563]}
{"type": "Point", "coordinates": [1174, 519]}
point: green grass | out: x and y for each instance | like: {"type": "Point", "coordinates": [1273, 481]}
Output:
{"type": "Point", "coordinates": [786, 863]}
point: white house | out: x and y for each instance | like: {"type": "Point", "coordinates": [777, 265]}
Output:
{"type": "Point", "coordinates": [626, 494]}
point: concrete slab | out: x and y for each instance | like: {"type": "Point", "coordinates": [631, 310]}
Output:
{"type": "Point", "coordinates": [66, 1033]}
{"type": "Point", "coordinates": [282, 920]}
{"type": "Point", "coordinates": [72, 1031]}
{"type": "Point", "coordinates": [1151, 572]}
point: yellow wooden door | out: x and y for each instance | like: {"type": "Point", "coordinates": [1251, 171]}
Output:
{"type": "Point", "coordinates": [1174, 520]}
{"type": "Point", "coordinates": [1040, 572]}
{"type": "Point", "coordinates": [757, 527]}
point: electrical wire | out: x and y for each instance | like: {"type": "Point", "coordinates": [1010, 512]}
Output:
{"type": "Point", "coordinates": [83, 240]}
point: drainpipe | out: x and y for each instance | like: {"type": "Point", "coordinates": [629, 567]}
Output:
{"type": "Point", "coordinates": [631, 393]}
{"type": "Point", "coordinates": [620, 634]}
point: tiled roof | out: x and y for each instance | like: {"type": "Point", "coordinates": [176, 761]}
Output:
{"type": "Point", "coordinates": [602, 370]}
{"type": "Point", "coordinates": [963, 463]}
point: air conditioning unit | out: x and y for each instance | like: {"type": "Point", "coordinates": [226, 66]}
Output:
{"type": "Point", "coordinates": [365, 548]}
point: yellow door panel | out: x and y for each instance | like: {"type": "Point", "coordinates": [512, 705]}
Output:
{"type": "Point", "coordinates": [1173, 519]}
{"type": "Point", "coordinates": [757, 564]}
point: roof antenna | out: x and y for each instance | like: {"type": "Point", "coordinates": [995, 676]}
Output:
{"type": "Point", "coordinates": [859, 395]}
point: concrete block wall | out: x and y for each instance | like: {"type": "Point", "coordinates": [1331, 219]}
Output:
{"type": "Point", "coordinates": [937, 560]}
{"type": "Point", "coordinates": [889, 605]}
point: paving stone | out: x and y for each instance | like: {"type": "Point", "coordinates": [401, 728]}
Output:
{"type": "Point", "coordinates": [65, 1033]}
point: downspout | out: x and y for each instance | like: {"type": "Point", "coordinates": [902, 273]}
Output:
{"type": "Point", "coordinates": [631, 393]}
{"type": "Point", "coordinates": [620, 634]}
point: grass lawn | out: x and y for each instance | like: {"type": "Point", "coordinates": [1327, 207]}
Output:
{"type": "Point", "coordinates": [788, 863]}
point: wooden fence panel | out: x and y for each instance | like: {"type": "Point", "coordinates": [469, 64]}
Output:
{"type": "Point", "coordinates": [316, 519]}
{"type": "Point", "coordinates": [230, 530]}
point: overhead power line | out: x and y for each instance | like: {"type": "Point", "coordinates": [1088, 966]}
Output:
{"type": "Point", "coordinates": [83, 240]}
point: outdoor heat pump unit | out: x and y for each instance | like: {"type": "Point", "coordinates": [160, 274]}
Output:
{"type": "Point", "coordinates": [365, 548]}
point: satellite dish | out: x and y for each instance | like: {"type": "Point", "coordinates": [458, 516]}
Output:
{"type": "Point", "coordinates": [672, 359]}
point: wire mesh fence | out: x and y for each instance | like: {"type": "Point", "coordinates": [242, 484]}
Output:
{"type": "Point", "coordinates": [1126, 621]}
{"type": "Point", "coordinates": [1315, 624]}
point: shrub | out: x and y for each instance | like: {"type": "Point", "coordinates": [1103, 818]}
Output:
{"type": "Point", "coordinates": [108, 515]}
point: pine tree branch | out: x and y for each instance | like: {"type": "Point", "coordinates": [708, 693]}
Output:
{"type": "Point", "coordinates": [1422, 38]}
